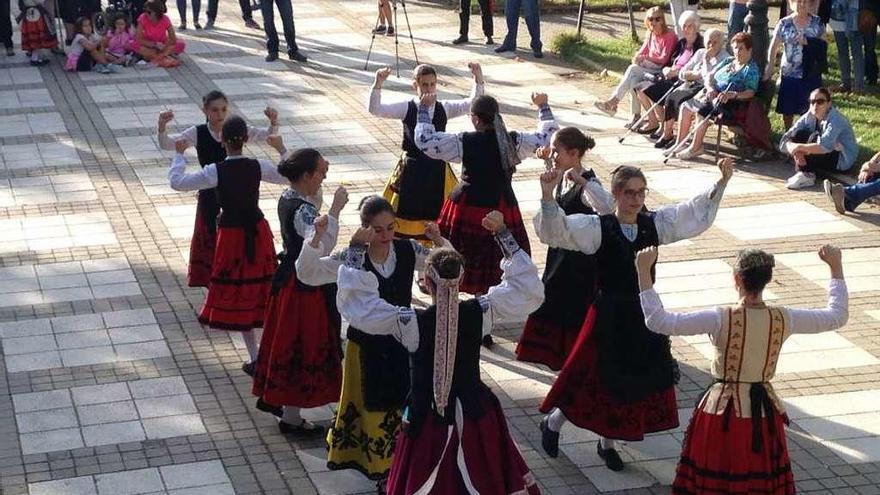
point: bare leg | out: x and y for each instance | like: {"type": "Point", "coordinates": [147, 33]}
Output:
{"type": "Point", "coordinates": [685, 116]}
{"type": "Point", "coordinates": [385, 10]}
{"type": "Point", "coordinates": [646, 104]}
{"type": "Point", "coordinates": [788, 120]}
{"type": "Point", "coordinates": [668, 127]}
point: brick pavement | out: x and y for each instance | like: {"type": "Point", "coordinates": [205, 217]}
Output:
{"type": "Point", "coordinates": [108, 384]}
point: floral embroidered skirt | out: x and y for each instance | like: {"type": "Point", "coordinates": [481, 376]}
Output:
{"type": "Point", "coordinates": [360, 439]}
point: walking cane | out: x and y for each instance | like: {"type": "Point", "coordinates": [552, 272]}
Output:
{"type": "Point", "coordinates": [690, 135]}
{"type": "Point", "coordinates": [660, 101]}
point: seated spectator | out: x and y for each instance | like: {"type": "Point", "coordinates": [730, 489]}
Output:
{"type": "Point", "coordinates": [118, 40]}
{"type": "Point", "coordinates": [729, 87]}
{"type": "Point", "coordinates": [793, 32]}
{"type": "Point", "coordinates": [694, 73]}
{"type": "Point", "coordinates": [86, 52]}
{"type": "Point", "coordinates": [651, 92]}
{"type": "Point", "coordinates": [155, 39]}
{"type": "Point", "coordinates": [821, 139]}
{"type": "Point", "coordinates": [71, 10]}
{"type": "Point", "coordinates": [649, 60]}
{"type": "Point", "coordinates": [850, 197]}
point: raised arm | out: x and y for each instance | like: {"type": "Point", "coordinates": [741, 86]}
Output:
{"type": "Point", "coordinates": [836, 313]}
{"type": "Point", "coordinates": [374, 103]}
{"type": "Point", "coordinates": [180, 180]}
{"type": "Point", "coordinates": [432, 232]}
{"type": "Point", "coordinates": [556, 229]}
{"type": "Point", "coordinates": [694, 216]}
{"type": "Point", "coordinates": [269, 170]}
{"type": "Point", "coordinates": [657, 319]}
{"type": "Point", "coordinates": [528, 142]}
{"type": "Point", "coordinates": [168, 141]}
{"type": "Point", "coordinates": [359, 302]}
{"type": "Point", "coordinates": [436, 144]}
{"type": "Point", "coordinates": [258, 134]}
{"type": "Point", "coordinates": [456, 108]}
{"type": "Point", "coordinates": [314, 265]}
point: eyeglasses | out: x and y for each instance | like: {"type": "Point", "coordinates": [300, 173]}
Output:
{"type": "Point", "coordinates": [636, 193]}
{"type": "Point", "coordinates": [655, 19]}
{"type": "Point", "coordinates": [818, 101]}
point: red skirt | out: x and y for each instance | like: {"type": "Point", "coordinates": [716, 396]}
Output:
{"type": "Point", "coordinates": [239, 287]}
{"type": "Point", "coordinates": [461, 224]}
{"type": "Point", "coordinates": [493, 462]}
{"type": "Point", "coordinates": [35, 35]}
{"type": "Point", "coordinates": [201, 250]}
{"type": "Point", "coordinates": [579, 393]}
{"type": "Point", "coordinates": [718, 457]}
{"type": "Point", "coordinates": [545, 342]}
{"type": "Point", "coordinates": [300, 359]}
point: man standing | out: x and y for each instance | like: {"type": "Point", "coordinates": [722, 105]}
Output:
{"type": "Point", "coordinates": [868, 26]}
{"type": "Point", "coordinates": [285, 8]}
{"type": "Point", "coordinates": [246, 13]}
{"type": "Point", "coordinates": [464, 17]}
{"type": "Point", "coordinates": [6, 27]}
{"type": "Point", "coordinates": [533, 23]}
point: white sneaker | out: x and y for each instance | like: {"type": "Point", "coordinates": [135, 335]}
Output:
{"type": "Point", "coordinates": [801, 180]}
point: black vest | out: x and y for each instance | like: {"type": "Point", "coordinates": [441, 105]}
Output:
{"type": "Point", "coordinates": [616, 255]}
{"type": "Point", "coordinates": [466, 384]}
{"type": "Point", "coordinates": [483, 179]}
{"type": "Point", "coordinates": [238, 191]}
{"type": "Point", "coordinates": [209, 151]}
{"type": "Point", "coordinates": [293, 242]}
{"type": "Point", "coordinates": [384, 362]}
{"type": "Point", "coordinates": [409, 128]}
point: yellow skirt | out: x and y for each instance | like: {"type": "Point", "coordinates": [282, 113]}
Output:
{"type": "Point", "coordinates": [415, 229]}
{"type": "Point", "coordinates": [360, 439]}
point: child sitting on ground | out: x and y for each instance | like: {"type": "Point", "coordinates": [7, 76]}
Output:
{"type": "Point", "coordinates": [86, 51]}
{"type": "Point", "coordinates": [117, 42]}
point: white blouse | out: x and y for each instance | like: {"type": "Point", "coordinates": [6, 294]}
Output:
{"type": "Point", "coordinates": [595, 196]}
{"type": "Point", "coordinates": [518, 295]}
{"type": "Point", "coordinates": [708, 321]}
{"type": "Point", "coordinates": [583, 233]}
{"type": "Point", "coordinates": [315, 267]}
{"type": "Point", "coordinates": [206, 178]}
{"type": "Point", "coordinates": [191, 136]}
{"type": "Point", "coordinates": [397, 110]}
{"type": "Point", "coordinates": [304, 222]}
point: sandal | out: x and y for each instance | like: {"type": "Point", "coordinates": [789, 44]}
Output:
{"type": "Point", "coordinates": [603, 106]}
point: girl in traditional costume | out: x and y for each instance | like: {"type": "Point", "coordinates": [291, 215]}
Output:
{"type": "Point", "coordinates": [735, 442]}
{"type": "Point", "coordinates": [454, 438]}
{"type": "Point", "coordinates": [488, 157]}
{"type": "Point", "coordinates": [300, 359]}
{"type": "Point", "coordinates": [244, 261]}
{"type": "Point", "coordinates": [569, 276]}
{"type": "Point", "coordinates": [209, 148]}
{"type": "Point", "coordinates": [619, 380]}
{"type": "Point", "coordinates": [419, 184]}
{"type": "Point", "coordinates": [375, 380]}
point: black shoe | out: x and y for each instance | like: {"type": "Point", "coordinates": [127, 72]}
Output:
{"type": "Point", "coordinates": [39, 63]}
{"type": "Point", "coordinates": [538, 53]}
{"type": "Point", "coordinates": [248, 368]}
{"type": "Point", "coordinates": [489, 40]}
{"type": "Point", "coordinates": [252, 24]}
{"type": "Point", "coordinates": [610, 456]}
{"type": "Point", "coordinates": [269, 408]}
{"type": "Point", "coordinates": [380, 30]}
{"type": "Point", "coordinates": [272, 57]}
{"type": "Point", "coordinates": [209, 24]}
{"type": "Point", "coordinates": [181, 26]}
{"type": "Point", "coordinates": [304, 429]}
{"type": "Point", "coordinates": [646, 132]}
{"type": "Point", "coordinates": [296, 56]}
{"type": "Point", "coordinates": [656, 134]}
{"type": "Point", "coordinates": [505, 48]}
{"type": "Point", "coordinates": [10, 52]}
{"type": "Point", "coordinates": [389, 31]}
{"type": "Point", "coordinates": [197, 26]}
{"type": "Point", "coordinates": [488, 341]}
{"type": "Point", "coordinates": [549, 439]}
{"type": "Point", "coordinates": [460, 40]}
{"type": "Point", "coordinates": [664, 143]}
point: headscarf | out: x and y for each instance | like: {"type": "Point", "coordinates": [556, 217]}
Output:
{"type": "Point", "coordinates": [445, 336]}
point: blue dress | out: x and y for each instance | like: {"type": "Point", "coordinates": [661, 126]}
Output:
{"type": "Point", "coordinates": [795, 87]}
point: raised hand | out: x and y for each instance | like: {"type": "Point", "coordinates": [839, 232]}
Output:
{"type": "Point", "coordinates": [164, 118]}
{"type": "Point", "coordinates": [432, 232]}
{"type": "Point", "coordinates": [181, 146]}
{"type": "Point", "coordinates": [476, 71]}
{"type": "Point", "coordinates": [340, 199]}
{"type": "Point", "coordinates": [427, 100]}
{"type": "Point", "coordinates": [726, 167]}
{"type": "Point", "coordinates": [493, 221]}
{"type": "Point", "coordinates": [543, 153]}
{"type": "Point", "coordinates": [272, 114]}
{"type": "Point", "coordinates": [831, 255]}
{"type": "Point", "coordinates": [381, 75]}
{"type": "Point", "coordinates": [539, 99]}
{"type": "Point", "coordinates": [549, 180]}
{"type": "Point", "coordinates": [321, 224]}
{"type": "Point", "coordinates": [362, 236]}
{"type": "Point", "coordinates": [575, 177]}
{"type": "Point", "coordinates": [646, 258]}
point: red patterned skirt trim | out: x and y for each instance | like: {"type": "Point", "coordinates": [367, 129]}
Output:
{"type": "Point", "coordinates": [201, 251]}
{"type": "Point", "coordinates": [545, 342]}
{"type": "Point", "coordinates": [579, 393]}
{"type": "Point", "coordinates": [718, 457]}
{"type": "Point", "coordinates": [239, 288]}
{"type": "Point", "coordinates": [300, 360]}
{"type": "Point", "coordinates": [462, 225]}
{"type": "Point", "coordinates": [35, 35]}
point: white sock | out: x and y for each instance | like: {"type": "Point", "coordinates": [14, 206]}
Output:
{"type": "Point", "coordinates": [555, 420]}
{"type": "Point", "coordinates": [251, 342]}
{"type": "Point", "coordinates": [35, 56]}
{"type": "Point", "coordinates": [291, 416]}
{"type": "Point", "coordinates": [607, 443]}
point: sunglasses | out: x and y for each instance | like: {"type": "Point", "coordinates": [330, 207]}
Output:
{"type": "Point", "coordinates": [655, 19]}
{"type": "Point", "coordinates": [818, 101]}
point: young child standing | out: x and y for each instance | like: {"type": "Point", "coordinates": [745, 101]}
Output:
{"type": "Point", "coordinates": [206, 138]}
{"type": "Point", "coordinates": [117, 42]}
{"type": "Point", "coordinates": [87, 50]}
{"type": "Point", "coordinates": [37, 30]}
{"type": "Point", "coordinates": [244, 262]}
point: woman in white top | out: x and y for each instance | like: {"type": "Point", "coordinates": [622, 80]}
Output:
{"type": "Point", "coordinates": [729, 447]}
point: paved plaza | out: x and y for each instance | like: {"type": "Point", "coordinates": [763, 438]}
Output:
{"type": "Point", "coordinates": [109, 386]}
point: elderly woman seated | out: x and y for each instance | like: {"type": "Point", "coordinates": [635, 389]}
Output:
{"type": "Point", "coordinates": [730, 86]}
{"type": "Point", "coordinates": [692, 77]}
{"type": "Point", "coordinates": [650, 92]}
{"type": "Point", "coordinates": [821, 140]}
{"type": "Point", "coordinates": [648, 61]}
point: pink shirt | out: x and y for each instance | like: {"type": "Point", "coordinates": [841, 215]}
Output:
{"type": "Point", "coordinates": [118, 43]}
{"type": "Point", "coordinates": [154, 32]}
{"type": "Point", "coordinates": [658, 49]}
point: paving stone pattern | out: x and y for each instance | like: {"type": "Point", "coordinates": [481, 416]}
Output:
{"type": "Point", "coordinates": [108, 384]}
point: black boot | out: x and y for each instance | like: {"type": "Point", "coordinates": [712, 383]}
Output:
{"type": "Point", "coordinates": [549, 439]}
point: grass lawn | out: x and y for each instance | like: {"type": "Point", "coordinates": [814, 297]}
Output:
{"type": "Point", "coordinates": [861, 110]}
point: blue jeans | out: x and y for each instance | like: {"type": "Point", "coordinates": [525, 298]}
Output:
{"type": "Point", "coordinates": [285, 9]}
{"type": "Point", "coordinates": [736, 19]}
{"type": "Point", "coordinates": [856, 194]}
{"type": "Point", "coordinates": [851, 43]}
{"type": "Point", "coordinates": [181, 9]}
{"type": "Point", "coordinates": [533, 22]}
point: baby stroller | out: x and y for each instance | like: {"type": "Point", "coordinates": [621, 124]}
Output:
{"type": "Point", "coordinates": [104, 20]}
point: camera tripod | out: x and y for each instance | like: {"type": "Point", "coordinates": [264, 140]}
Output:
{"type": "Point", "coordinates": [396, 41]}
